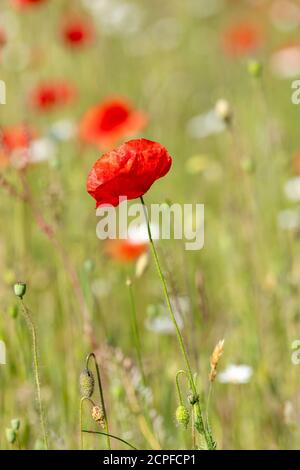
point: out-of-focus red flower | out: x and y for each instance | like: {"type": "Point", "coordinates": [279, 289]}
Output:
{"type": "Point", "coordinates": [48, 95]}
{"type": "Point", "coordinates": [129, 171]}
{"type": "Point", "coordinates": [125, 250]}
{"type": "Point", "coordinates": [15, 137]}
{"type": "Point", "coordinates": [77, 32]}
{"type": "Point", "coordinates": [241, 38]}
{"type": "Point", "coordinates": [26, 3]}
{"type": "Point", "coordinates": [2, 38]}
{"type": "Point", "coordinates": [105, 124]}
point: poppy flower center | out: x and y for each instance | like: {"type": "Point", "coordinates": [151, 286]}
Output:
{"type": "Point", "coordinates": [75, 35]}
{"type": "Point", "coordinates": [113, 117]}
{"type": "Point", "coordinates": [47, 97]}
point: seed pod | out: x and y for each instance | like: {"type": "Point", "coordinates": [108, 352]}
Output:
{"type": "Point", "coordinates": [86, 383]}
{"type": "Point", "coordinates": [15, 424]}
{"type": "Point", "coordinates": [182, 415]}
{"type": "Point", "coordinates": [98, 415]}
{"type": "Point", "coordinates": [10, 435]}
{"type": "Point", "coordinates": [20, 289]}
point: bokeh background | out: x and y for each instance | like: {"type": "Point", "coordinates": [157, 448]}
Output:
{"type": "Point", "coordinates": [171, 60]}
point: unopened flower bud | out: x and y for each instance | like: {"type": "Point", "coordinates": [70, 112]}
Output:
{"type": "Point", "coordinates": [182, 415]}
{"type": "Point", "coordinates": [15, 424]}
{"type": "Point", "coordinates": [223, 110]}
{"type": "Point", "coordinates": [86, 383]}
{"type": "Point", "coordinates": [193, 398]}
{"type": "Point", "coordinates": [20, 289]}
{"type": "Point", "coordinates": [10, 435]}
{"type": "Point", "coordinates": [255, 68]}
{"type": "Point", "coordinates": [13, 311]}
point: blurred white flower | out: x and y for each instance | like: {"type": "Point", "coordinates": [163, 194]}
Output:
{"type": "Point", "coordinates": [63, 130]}
{"type": "Point", "coordinates": [138, 233]}
{"type": "Point", "coordinates": [285, 15]}
{"type": "Point", "coordinates": [285, 63]}
{"type": "Point", "coordinates": [163, 35]}
{"type": "Point", "coordinates": [116, 16]}
{"type": "Point", "coordinates": [159, 320]}
{"type": "Point", "coordinates": [205, 125]}
{"type": "Point", "coordinates": [289, 219]}
{"type": "Point", "coordinates": [237, 374]}
{"type": "Point", "coordinates": [292, 189]}
{"type": "Point", "coordinates": [41, 150]}
{"type": "Point", "coordinates": [204, 8]}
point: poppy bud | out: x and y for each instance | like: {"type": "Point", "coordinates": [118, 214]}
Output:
{"type": "Point", "coordinates": [193, 398]}
{"type": "Point", "coordinates": [86, 383]}
{"type": "Point", "coordinates": [10, 435]}
{"type": "Point", "coordinates": [15, 424]}
{"type": "Point", "coordinates": [182, 415]}
{"type": "Point", "coordinates": [13, 311]}
{"type": "Point", "coordinates": [98, 415]}
{"type": "Point", "coordinates": [20, 289]}
{"type": "Point", "coordinates": [255, 68]}
{"type": "Point", "coordinates": [248, 165]}
{"type": "Point", "coordinates": [223, 111]}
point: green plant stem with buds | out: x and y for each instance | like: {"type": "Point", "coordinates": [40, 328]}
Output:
{"type": "Point", "coordinates": [92, 355]}
{"type": "Point", "coordinates": [32, 329]}
{"type": "Point", "coordinates": [201, 428]}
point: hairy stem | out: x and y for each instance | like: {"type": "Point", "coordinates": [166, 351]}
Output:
{"type": "Point", "coordinates": [32, 329]}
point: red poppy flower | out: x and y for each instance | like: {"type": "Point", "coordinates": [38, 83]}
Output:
{"type": "Point", "coordinates": [241, 39]}
{"type": "Point", "coordinates": [105, 124]}
{"type": "Point", "coordinates": [26, 3]}
{"type": "Point", "coordinates": [125, 250]}
{"type": "Point", "coordinates": [16, 137]}
{"type": "Point", "coordinates": [77, 33]}
{"type": "Point", "coordinates": [49, 95]}
{"type": "Point", "coordinates": [128, 171]}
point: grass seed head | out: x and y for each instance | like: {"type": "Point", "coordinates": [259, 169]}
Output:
{"type": "Point", "coordinates": [87, 383]}
{"type": "Point", "coordinates": [214, 360]}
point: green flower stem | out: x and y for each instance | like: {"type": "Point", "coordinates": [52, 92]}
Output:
{"type": "Point", "coordinates": [178, 333]}
{"type": "Point", "coordinates": [32, 329]}
{"type": "Point", "coordinates": [92, 355]}
{"type": "Point", "coordinates": [135, 330]}
{"type": "Point", "coordinates": [112, 436]}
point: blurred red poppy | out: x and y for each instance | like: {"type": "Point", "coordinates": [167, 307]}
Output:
{"type": "Point", "coordinates": [16, 137]}
{"type": "Point", "coordinates": [77, 33]}
{"type": "Point", "coordinates": [49, 95]}
{"type": "Point", "coordinates": [125, 250]}
{"type": "Point", "coordinates": [26, 3]}
{"type": "Point", "coordinates": [128, 171]}
{"type": "Point", "coordinates": [105, 124]}
{"type": "Point", "coordinates": [2, 38]}
{"type": "Point", "coordinates": [241, 39]}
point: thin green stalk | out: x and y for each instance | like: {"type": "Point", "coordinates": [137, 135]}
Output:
{"type": "Point", "coordinates": [202, 429]}
{"type": "Point", "coordinates": [92, 355]}
{"type": "Point", "coordinates": [31, 326]}
{"type": "Point", "coordinates": [135, 330]}
{"type": "Point", "coordinates": [112, 436]}
{"type": "Point", "coordinates": [82, 400]}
